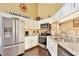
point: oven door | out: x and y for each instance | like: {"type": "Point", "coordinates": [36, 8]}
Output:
{"type": "Point", "coordinates": [42, 40]}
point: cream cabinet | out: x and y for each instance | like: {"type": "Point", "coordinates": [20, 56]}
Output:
{"type": "Point", "coordinates": [31, 41]}
{"type": "Point", "coordinates": [27, 43]}
{"type": "Point", "coordinates": [34, 41]}
{"type": "Point", "coordinates": [52, 47]}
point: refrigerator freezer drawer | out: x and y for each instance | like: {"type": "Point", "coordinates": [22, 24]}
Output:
{"type": "Point", "coordinates": [10, 50]}
{"type": "Point", "coordinates": [13, 50]}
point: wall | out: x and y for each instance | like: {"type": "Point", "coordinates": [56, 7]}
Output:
{"type": "Point", "coordinates": [14, 7]}
{"type": "Point", "coordinates": [68, 26]}
{"type": "Point", "coordinates": [55, 28]}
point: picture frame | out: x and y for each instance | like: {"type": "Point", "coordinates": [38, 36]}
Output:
{"type": "Point", "coordinates": [75, 23]}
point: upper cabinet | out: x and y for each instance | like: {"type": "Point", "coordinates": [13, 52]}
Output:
{"type": "Point", "coordinates": [29, 24]}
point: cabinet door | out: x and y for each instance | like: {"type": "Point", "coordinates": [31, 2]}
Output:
{"type": "Point", "coordinates": [31, 42]}
{"type": "Point", "coordinates": [49, 46]}
{"type": "Point", "coordinates": [27, 43]}
{"type": "Point", "coordinates": [34, 41]}
{"type": "Point", "coordinates": [47, 43]}
{"type": "Point", "coordinates": [52, 47]}
{"type": "Point", "coordinates": [21, 48]}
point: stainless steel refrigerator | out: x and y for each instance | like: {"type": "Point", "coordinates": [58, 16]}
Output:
{"type": "Point", "coordinates": [12, 36]}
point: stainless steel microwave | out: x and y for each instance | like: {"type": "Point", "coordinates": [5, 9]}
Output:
{"type": "Point", "coordinates": [45, 25]}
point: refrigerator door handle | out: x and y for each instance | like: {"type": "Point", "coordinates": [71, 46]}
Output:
{"type": "Point", "coordinates": [17, 31]}
{"type": "Point", "coordinates": [14, 30]}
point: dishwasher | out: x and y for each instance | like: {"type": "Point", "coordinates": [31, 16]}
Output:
{"type": "Point", "coordinates": [63, 52]}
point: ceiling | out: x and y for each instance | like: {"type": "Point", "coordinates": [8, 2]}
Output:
{"type": "Point", "coordinates": [46, 10]}
{"type": "Point", "coordinates": [42, 10]}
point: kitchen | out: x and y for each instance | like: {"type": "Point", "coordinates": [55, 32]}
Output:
{"type": "Point", "coordinates": [56, 35]}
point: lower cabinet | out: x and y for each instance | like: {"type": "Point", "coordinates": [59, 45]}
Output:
{"type": "Point", "coordinates": [21, 49]}
{"type": "Point", "coordinates": [52, 47]}
{"type": "Point", "coordinates": [56, 50]}
{"type": "Point", "coordinates": [27, 43]}
{"type": "Point", "coordinates": [31, 41]}
{"type": "Point", "coordinates": [34, 41]}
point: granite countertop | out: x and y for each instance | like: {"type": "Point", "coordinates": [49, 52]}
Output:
{"type": "Point", "coordinates": [73, 48]}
